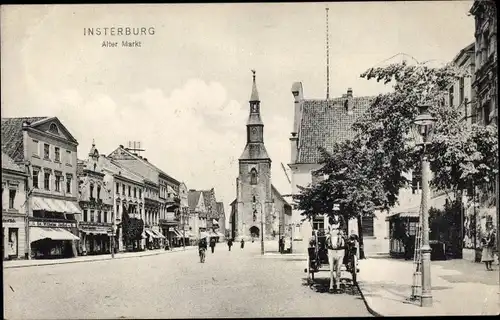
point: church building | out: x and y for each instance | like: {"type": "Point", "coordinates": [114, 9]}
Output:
{"type": "Point", "coordinates": [254, 210]}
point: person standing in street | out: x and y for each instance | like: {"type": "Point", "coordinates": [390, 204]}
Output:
{"type": "Point", "coordinates": [242, 244]}
{"type": "Point", "coordinates": [212, 244]}
{"type": "Point", "coordinates": [488, 242]}
{"type": "Point", "coordinates": [229, 244]}
{"type": "Point", "coordinates": [281, 245]}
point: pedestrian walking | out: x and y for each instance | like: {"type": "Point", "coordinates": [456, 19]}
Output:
{"type": "Point", "coordinates": [242, 244]}
{"type": "Point", "coordinates": [212, 244]}
{"type": "Point", "coordinates": [488, 242]}
{"type": "Point", "coordinates": [229, 244]}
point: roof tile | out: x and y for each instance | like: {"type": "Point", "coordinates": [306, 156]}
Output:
{"type": "Point", "coordinates": [325, 123]}
{"type": "Point", "coordinates": [12, 136]}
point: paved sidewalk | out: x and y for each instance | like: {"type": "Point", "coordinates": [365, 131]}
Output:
{"type": "Point", "coordinates": [458, 288]}
{"type": "Point", "coordinates": [121, 255]}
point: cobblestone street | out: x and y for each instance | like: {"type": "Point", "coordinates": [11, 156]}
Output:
{"type": "Point", "coordinates": [240, 283]}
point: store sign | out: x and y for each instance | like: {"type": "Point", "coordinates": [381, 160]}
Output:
{"type": "Point", "coordinates": [51, 224]}
{"type": "Point", "coordinates": [171, 229]}
{"type": "Point", "coordinates": [8, 220]}
{"type": "Point", "coordinates": [95, 228]}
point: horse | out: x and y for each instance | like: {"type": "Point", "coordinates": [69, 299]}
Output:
{"type": "Point", "coordinates": [335, 243]}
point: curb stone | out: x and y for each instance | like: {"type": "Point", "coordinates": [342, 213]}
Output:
{"type": "Point", "coordinates": [92, 260]}
{"type": "Point", "coordinates": [368, 307]}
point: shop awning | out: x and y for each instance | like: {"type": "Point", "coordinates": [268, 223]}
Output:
{"type": "Point", "coordinates": [95, 231]}
{"type": "Point", "coordinates": [38, 233]}
{"type": "Point", "coordinates": [158, 234]}
{"type": "Point", "coordinates": [151, 233]}
{"type": "Point", "coordinates": [177, 233]}
{"type": "Point", "coordinates": [56, 205]}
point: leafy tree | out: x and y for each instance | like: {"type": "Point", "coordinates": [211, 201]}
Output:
{"type": "Point", "coordinates": [366, 173]}
{"type": "Point", "coordinates": [351, 181]}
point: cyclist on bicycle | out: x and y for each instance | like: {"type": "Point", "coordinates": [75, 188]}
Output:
{"type": "Point", "coordinates": [202, 248]}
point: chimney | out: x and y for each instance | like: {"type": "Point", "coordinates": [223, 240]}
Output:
{"type": "Point", "coordinates": [121, 146]}
{"type": "Point", "coordinates": [146, 159]}
{"type": "Point", "coordinates": [298, 95]}
{"type": "Point", "coordinates": [349, 92]}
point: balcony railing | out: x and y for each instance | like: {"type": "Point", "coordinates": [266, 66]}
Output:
{"type": "Point", "coordinates": [172, 199]}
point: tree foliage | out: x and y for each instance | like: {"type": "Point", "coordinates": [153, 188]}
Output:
{"type": "Point", "coordinates": [367, 172]}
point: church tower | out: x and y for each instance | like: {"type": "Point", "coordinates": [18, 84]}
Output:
{"type": "Point", "coordinates": [254, 191]}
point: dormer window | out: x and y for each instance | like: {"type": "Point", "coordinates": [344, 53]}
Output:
{"type": "Point", "coordinates": [53, 128]}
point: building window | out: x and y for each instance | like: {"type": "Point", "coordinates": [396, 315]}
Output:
{"type": "Point", "coordinates": [91, 215]}
{"type": "Point", "coordinates": [461, 92]}
{"type": "Point", "coordinates": [68, 157]}
{"type": "Point", "coordinates": [57, 154]}
{"type": "Point", "coordinates": [117, 210]}
{"type": "Point", "coordinates": [85, 217]}
{"type": "Point", "coordinates": [91, 191]}
{"type": "Point", "coordinates": [68, 184]}
{"type": "Point", "coordinates": [35, 178]}
{"type": "Point", "coordinates": [416, 181]}
{"type": "Point", "coordinates": [253, 176]}
{"type": "Point", "coordinates": [12, 197]}
{"type": "Point", "coordinates": [486, 113]}
{"type": "Point", "coordinates": [123, 189]}
{"type": "Point", "coordinates": [129, 191]}
{"type": "Point", "coordinates": [98, 192]}
{"type": "Point", "coordinates": [105, 214]}
{"type": "Point", "coordinates": [367, 225]}
{"type": "Point", "coordinates": [319, 223]}
{"type": "Point", "coordinates": [36, 148]}
{"type": "Point", "coordinates": [450, 95]}
{"type": "Point", "coordinates": [135, 192]}
{"type": "Point", "coordinates": [46, 151]}
{"type": "Point", "coordinates": [140, 193]}
{"type": "Point", "coordinates": [99, 216]}
{"type": "Point", "coordinates": [46, 180]}
{"type": "Point", "coordinates": [58, 183]}
{"type": "Point", "coordinates": [117, 188]}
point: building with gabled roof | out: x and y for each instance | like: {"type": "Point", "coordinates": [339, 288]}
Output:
{"type": "Point", "coordinates": [47, 151]}
{"type": "Point", "coordinates": [198, 212]}
{"type": "Point", "coordinates": [322, 123]}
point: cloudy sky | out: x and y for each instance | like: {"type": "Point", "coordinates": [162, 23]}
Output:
{"type": "Point", "coordinates": [184, 93]}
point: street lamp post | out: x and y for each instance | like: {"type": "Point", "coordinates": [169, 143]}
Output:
{"type": "Point", "coordinates": [261, 230]}
{"type": "Point", "coordinates": [423, 127]}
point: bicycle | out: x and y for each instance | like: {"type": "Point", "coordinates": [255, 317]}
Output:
{"type": "Point", "coordinates": [202, 255]}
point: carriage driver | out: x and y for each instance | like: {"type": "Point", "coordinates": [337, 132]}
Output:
{"type": "Point", "coordinates": [336, 249]}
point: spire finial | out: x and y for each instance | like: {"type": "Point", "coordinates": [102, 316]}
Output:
{"type": "Point", "coordinates": [93, 142]}
{"type": "Point", "coordinates": [255, 94]}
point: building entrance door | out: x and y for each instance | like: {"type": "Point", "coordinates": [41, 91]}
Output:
{"type": "Point", "coordinates": [254, 231]}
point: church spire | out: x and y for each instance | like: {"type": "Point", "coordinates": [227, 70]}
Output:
{"type": "Point", "coordinates": [255, 94]}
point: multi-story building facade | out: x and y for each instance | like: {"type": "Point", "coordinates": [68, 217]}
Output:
{"type": "Point", "coordinates": [221, 221]}
{"type": "Point", "coordinates": [322, 123]}
{"type": "Point", "coordinates": [198, 212]}
{"type": "Point", "coordinates": [96, 201]}
{"type": "Point", "coordinates": [485, 88]}
{"type": "Point", "coordinates": [14, 197]}
{"type": "Point", "coordinates": [163, 192]}
{"type": "Point", "coordinates": [128, 191]}
{"type": "Point", "coordinates": [187, 222]}
{"type": "Point", "coordinates": [48, 150]}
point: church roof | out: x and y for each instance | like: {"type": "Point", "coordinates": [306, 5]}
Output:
{"type": "Point", "coordinates": [323, 123]}
{"type": "Point", "coordinates": [255, 151]}
{"type": "Point", "coordinates": [254, 119]}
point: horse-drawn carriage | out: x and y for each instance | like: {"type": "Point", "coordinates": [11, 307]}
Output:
{"type": "Point", "coordinates": [318, 260]}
